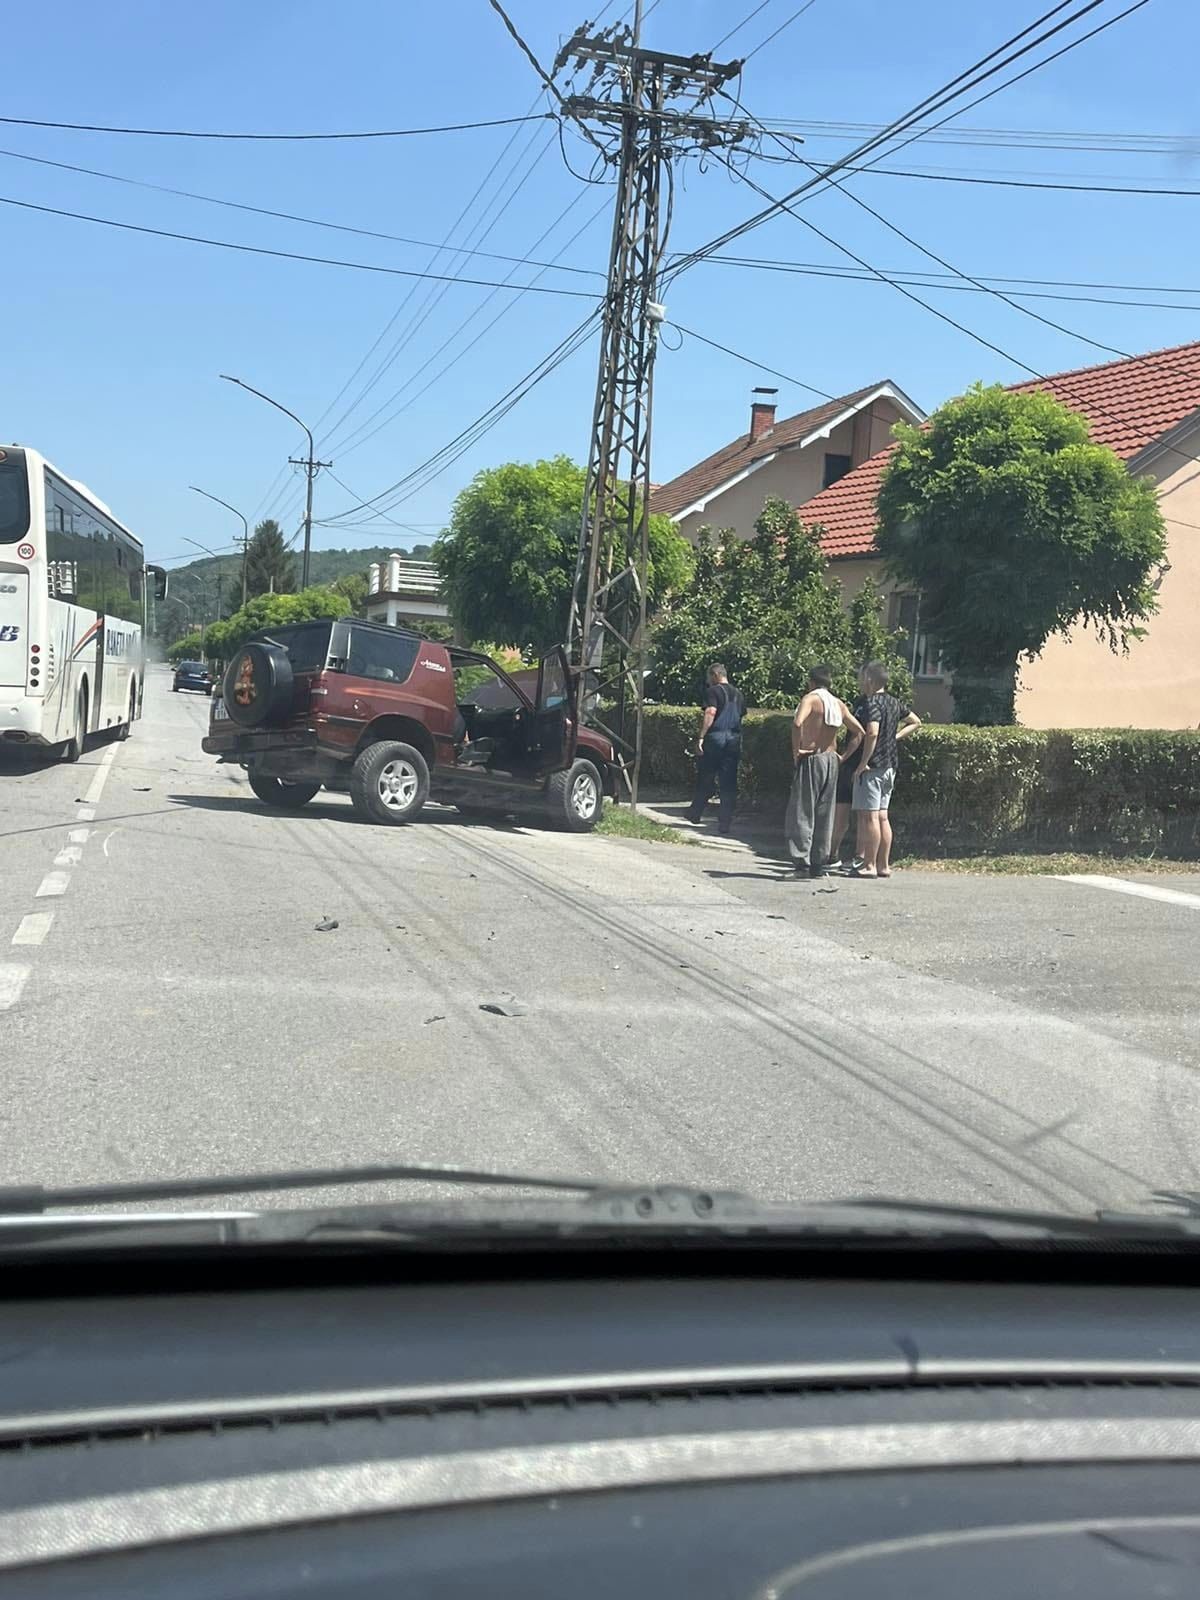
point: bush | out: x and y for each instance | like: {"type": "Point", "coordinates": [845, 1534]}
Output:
{"type": "Point", "coordinates": [964, 789]}
{"type": "Point", "coordinates": [189, 648]}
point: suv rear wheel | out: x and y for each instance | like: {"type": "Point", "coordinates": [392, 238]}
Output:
{"type": "Point", "coordinates": [575, 799]}
{"type": "Point", "coordinates": [274, 792]}
{"type": "Point", "coordinates": [389, 782]}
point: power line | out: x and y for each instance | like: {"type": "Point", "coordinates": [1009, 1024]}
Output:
{"type": "Point", "coordinates": [1041, 377]}
{"type": "Point", "coordinates": [284, 255]}
{"type": "Point", "coordinates": [353, 443]}
{"type": "Point", "coordinates": [274, 490]}
{"type": "Point", "coordinates": [738, 26]}
{"type": "Point", "coordinates": [190, 133]}
{"type": "Point", "coordinates": [435, 296]}
{"type": "Point", "coordinates": [566, 347]}
{"type": "Point", "coordinates": [961, 84]}
{"type": "Point", "coordinates": [1017, 77]}
{"type": "Point", "coordinates": [751, 362]}
{"type": "Point", "coordinates": [948, 280]}
{"type": "Point", "coordinates": [547, 80]}
{"type": "Point", "coordinates": [283, 216]}
{"type": "Point", "coordinates": [1004, 138]}
{"type": "Point", "coordinates": [1020, 183]}
{"type": "Point", "coordinates": [832, 270]}
{"type": "Point", "coordinates": [795, 14]}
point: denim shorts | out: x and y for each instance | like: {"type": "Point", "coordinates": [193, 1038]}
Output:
{"type": "Point", "coordinates": [873, 790]}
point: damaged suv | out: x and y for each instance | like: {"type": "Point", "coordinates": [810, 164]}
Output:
{"type": "Point", "coordinates": [394, 719]}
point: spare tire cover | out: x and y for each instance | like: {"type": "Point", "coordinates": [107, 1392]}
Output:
{"type": "Point", "coordinates": [257, 687]}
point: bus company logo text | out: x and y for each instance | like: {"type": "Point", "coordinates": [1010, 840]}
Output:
{"type": "Point", "coordinates": [118, 644]}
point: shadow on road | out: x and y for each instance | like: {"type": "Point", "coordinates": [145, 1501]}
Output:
{"type": "Point", "coordinates": [325, 811]}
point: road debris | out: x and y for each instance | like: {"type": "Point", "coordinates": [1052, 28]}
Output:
{"type": "Point", "coordinates": [327, 925]}
{"type": "Point", "coordinates": [428, 1020]}
{"type": "Point", "coordinates": [503, 1008]}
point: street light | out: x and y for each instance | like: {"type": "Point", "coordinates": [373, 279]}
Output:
{"type": "Point", "coordinates": [241, 519]}
{"type": "Point", "coordinates": [196, 545]}
{"type": "Point", "coordinates": [310, 465]}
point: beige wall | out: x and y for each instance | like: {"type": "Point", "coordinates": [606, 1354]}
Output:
{"type": "Point", "coordinates": [793, 475]}
{"type": "Point", "coordinates": [1077, 682]}
{"type": "Point", "coordinates": [932, 699]}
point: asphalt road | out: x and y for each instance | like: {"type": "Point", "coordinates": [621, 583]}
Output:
{"type": "Point", "coordinates": [168, 1008]}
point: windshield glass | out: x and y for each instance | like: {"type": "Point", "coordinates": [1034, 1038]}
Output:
{"type": "Point", "coordinates": [14, 498]}
{"type": "Point", "coordinates": [644, 692]}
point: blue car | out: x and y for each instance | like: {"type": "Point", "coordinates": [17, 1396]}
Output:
{"type": "Point", "coordinates": [193, 675]}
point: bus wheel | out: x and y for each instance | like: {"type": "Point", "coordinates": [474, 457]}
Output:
{"type": "Point", "coordinates": [73, 748]}
{"type": "Point", "coordinates": [126, 728]}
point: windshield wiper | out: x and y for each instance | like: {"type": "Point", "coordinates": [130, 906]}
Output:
{"type": "Point", "coordinates": [33, 1199]}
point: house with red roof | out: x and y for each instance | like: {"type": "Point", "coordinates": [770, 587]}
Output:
{"type": "Point", "coordinates": [791, 459]}
{"type": "Point", "coordinates": [1147, 409]}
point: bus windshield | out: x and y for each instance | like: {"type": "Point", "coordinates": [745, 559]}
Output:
{"type": "Point", "coordinates": [14, 501]}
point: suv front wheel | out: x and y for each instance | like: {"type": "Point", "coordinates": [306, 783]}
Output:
{"type": "Point", "coordinates": [575, 798]}
{"type": "Point", "coordinates": [389, 782]}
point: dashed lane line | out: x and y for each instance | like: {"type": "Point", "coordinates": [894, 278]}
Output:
{"type": "Point", "coordinates": [69, 856]}
{"type": "Point", "coordinates": [12, 981]}
{"type": "Point", "coordinates": [34, 927]}
{"type": "Point", "coordinates": [53, 883]}
{"type": "Point", "coordinates": [96, 789]}
{"type": "Point", "coordinates": [1146, 891]}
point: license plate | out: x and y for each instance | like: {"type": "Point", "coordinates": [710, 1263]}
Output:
{"type": "Point", "coordinates": [219, 713]}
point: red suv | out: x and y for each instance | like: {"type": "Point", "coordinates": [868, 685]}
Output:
{"type": "Point", "coordinates": [393, 719]}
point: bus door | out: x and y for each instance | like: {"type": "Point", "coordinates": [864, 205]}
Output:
{"type": "Point", "coordinates": [14, 626]}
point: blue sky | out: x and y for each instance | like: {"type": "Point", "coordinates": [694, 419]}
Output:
{"type": "Point", "coordinates": [113, 341]}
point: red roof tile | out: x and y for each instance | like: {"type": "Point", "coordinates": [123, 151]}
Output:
{"type": "Point", "coordinates": [709, 474]}
{"type": "Point", "coordinates": [1129, 405]}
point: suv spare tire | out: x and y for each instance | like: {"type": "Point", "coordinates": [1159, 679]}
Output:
{"type": "Point", "coordinates": [257, 687]}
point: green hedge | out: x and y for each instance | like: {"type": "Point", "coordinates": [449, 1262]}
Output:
{"type": "Point", "coordinates": [1123, 790]}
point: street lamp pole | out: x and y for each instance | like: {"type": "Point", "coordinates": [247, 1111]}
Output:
{"type": "Point", "coordinates": [245, 530]}
{"type": "Point", "coordinates": [310, 464]}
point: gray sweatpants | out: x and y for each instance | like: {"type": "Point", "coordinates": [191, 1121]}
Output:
{"type": "Point", "coordinates": [809, 822]}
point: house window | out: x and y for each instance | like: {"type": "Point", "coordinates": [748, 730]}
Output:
{"type": "Point", "coordinates": [921, 653]}
{"type": "Point", "coordinates": [835, 467]}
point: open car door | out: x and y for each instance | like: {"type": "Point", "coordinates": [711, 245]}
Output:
{"type": "Point", "coordinates": [555, 721]}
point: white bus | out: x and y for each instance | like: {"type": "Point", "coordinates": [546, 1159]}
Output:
{"type": "Point", "coordinates": [73, 590]}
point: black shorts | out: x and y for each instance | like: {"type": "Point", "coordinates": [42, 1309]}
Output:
{"type": "Point", "coordinates": [845, 783]}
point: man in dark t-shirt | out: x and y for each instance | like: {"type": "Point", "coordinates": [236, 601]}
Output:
{"type": "Point", "coordinates": [719, 747]}
{"type": "Point", "coordinates": [887, 723]}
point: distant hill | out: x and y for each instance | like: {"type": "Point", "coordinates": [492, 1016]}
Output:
{"type": "Point", "coordinates": [194, 585]}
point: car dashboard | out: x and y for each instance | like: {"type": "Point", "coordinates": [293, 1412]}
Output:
{"type": "Point", "coordinates": [656, 1425]}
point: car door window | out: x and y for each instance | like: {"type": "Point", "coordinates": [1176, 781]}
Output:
{"type": "Point", "coordinates": [383, 657]}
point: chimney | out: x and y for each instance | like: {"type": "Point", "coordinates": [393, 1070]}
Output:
{"type": "Point", "coordinates": [762, 414]}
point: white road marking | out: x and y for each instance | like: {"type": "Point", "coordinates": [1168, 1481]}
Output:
{"type": "Point", "coordinates": [101, 778]}
{"type": "Point", "coordinates": [69, 856]}
{"type": "Point", "coordinates": [35, 925]}
{"type": "Point", "coordinates": [52, 883]}
{"type": "Point", "coordinates": [12, 981]}
{"type": "Point", "coordinates": [79, 835]}
{"type": "Point", "coordinates": [107, 838]}
{"type": "Point", "coordinates": [1147, 891]}
{"type": "Point", "coordinates": [85, 813]}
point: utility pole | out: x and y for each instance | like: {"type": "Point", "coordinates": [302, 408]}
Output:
{"type": "Point", "coordinates": [311, 468]}
{"type": "Point", "coordinates": [639, 94]}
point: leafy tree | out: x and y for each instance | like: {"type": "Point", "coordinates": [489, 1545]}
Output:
{"type": "Point", "coordinates": [190, 648]}
{"type": "Point", "coordinates": [764, 607]}
{"type": "Point", "coordinates": [508, 557]}
{"type": "Point", "coordinates": [1013, 525]}
{"type": "Point", "coordinates": [272, 611]}
{"type": "Point", "coordinates": [353, 585]}
{"type": "Point", "coordinates": [270, 565]}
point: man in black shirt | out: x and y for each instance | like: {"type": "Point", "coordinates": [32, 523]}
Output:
{"type": "Point", "coordinates": [719, 747]}
{"type": "Point", "coordinates": [887, 723]}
